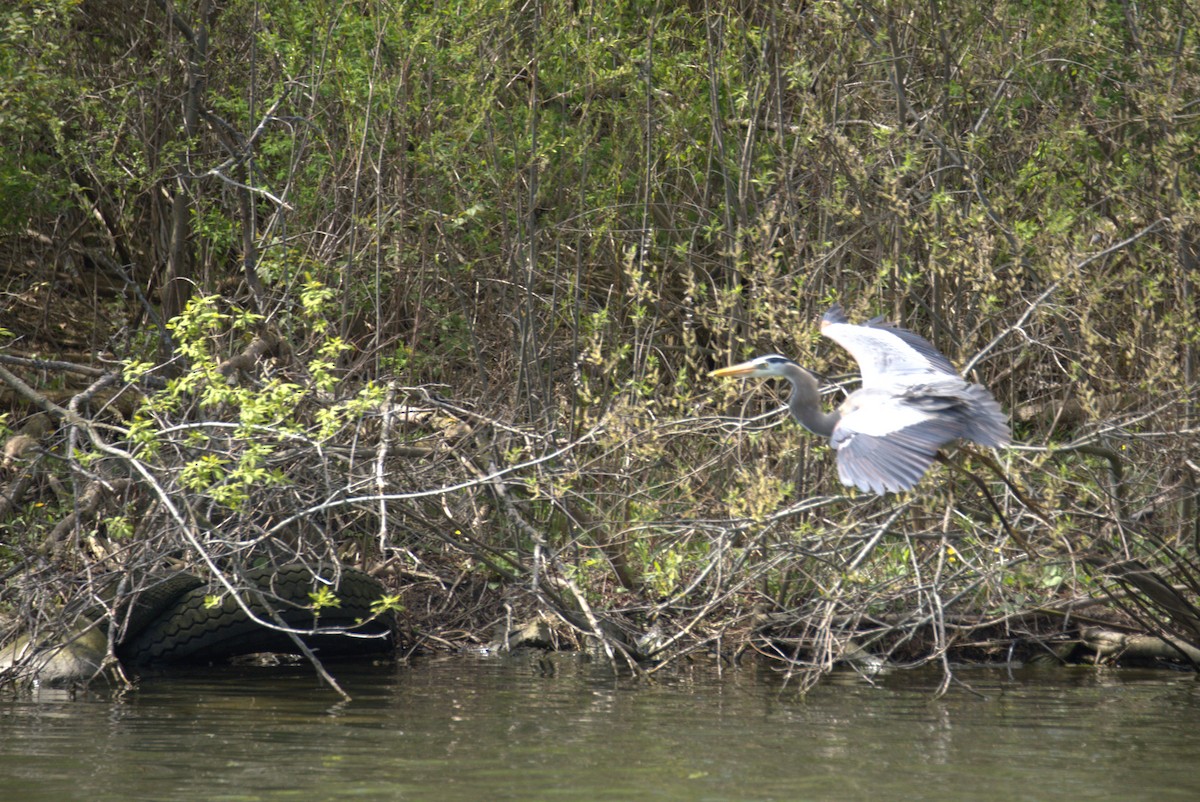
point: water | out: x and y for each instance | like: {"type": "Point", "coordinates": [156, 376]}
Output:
{"type": "Point", "coordinates": [509, 728]}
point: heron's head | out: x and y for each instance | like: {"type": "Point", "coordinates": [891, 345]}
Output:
{"type": "Point", "coordinates": [762, 366]}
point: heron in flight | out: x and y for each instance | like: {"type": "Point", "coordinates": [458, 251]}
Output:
{"type": "Point", "coordinates": [911, 403]}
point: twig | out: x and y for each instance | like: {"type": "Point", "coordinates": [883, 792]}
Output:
{"type": "Point", "coordinates": [188, 528]}
{"type": "Point", "coordinates": [52, 364]}
{"type": "Point", "coordinates": [385, 438]}
{"type": "Point", "coordinates": [982, 485]}
{"type": "Point", "coordinates": [437, 491]}
{"type": "Point", "coordinates": [1037, 302]}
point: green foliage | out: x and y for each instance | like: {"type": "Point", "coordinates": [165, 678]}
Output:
{"type": "Point", "coordinates": [33, 89]}
{"type": "Point", "coordinates": [562, 216]}
{"type": "Point", "coordinates": [242, 427]}
{"type": "Point", "coordinates": [324, 598]}
{"type": "Point", "coordinates": [388, 603]}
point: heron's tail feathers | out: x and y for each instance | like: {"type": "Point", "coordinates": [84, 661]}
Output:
{"type": "Point", "coordinates": [986, 423]}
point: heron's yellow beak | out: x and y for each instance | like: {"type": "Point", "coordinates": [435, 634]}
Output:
{"type": "Point", "coordinates": [734, 370]}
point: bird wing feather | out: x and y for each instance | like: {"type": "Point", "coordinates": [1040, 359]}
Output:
{"type": "Point", "coordinates": [890, 462]}
{"type": "Point", "coordinates": [887, 355]}
{"type": "Point", "coordinates": [878, 412]}
{"type": "Point", "coordinates": [886, 440]}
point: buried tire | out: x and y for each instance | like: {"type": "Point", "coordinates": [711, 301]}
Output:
{"type": "Point", "coordinates": [190, 631]}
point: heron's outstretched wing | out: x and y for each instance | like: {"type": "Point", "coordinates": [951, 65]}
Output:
{"type": "Point", "coordinates": [885, 441]}
{"type": "Point", "coordinates": [888, 464]}
{"type": "Point", "coordinates": [893, 462]}
{"type": "Point", "coordinates": [887, 356]}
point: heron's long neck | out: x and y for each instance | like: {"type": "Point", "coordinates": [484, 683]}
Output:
{"type": "Point", "coordinates": [805, 405]}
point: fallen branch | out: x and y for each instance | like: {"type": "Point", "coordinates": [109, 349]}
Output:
{"type": "Point", "coordinates": [1108, 643]}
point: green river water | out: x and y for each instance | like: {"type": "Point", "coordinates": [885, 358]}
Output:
{"type": "Point", "coordinates": [508, 728]}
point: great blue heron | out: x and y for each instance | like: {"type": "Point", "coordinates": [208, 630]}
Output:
{"type": "Point", "coordinates": [912, 402]}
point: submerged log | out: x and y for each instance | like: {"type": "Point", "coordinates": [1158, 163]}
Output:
{"type": "Point", "coordinates": [1108, 643]}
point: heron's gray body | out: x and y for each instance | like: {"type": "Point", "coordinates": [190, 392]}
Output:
{"type": "Point", "coordinates": [912, 403]}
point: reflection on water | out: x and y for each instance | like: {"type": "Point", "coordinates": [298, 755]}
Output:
{"type": "Point", "coordinates": [502, 728]}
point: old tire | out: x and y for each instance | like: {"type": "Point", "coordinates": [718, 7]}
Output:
{"type": "Point", "coordinates": [189, 631]}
